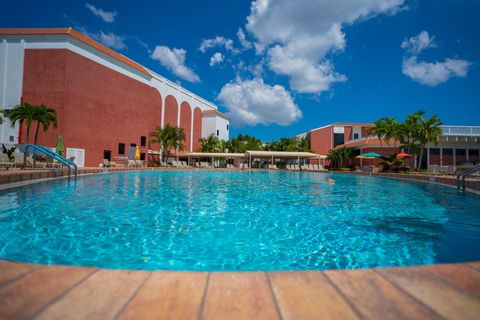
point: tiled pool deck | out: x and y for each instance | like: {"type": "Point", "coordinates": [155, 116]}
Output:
{"type": "Point", "coordinates": [449, 291]}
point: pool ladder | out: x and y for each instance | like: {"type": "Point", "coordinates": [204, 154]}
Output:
{"type": "Point", "coordinates": [463, 174]}
{"type": "Point", "coordinates": [48, 152]}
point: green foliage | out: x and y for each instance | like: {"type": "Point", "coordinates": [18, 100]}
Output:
{"type": "Point", "coordinates": [212, 144]}
{"type": "Point", "coordinates": [392, 163]}
{"type": "Point", "coordinates": [168, 138]}
{"type": "Point", "coordinates": [45, 117]}
{"type": "Point", "coordinates": [413, 133]}
{"type": "Point", "coordinates": [289, 144]}
{"type": "Point", "coordinates": [337, 156]}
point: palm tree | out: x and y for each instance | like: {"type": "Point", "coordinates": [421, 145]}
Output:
{"type": "Point", "coordinates": [429, 130]}
{"type": "Point", "coordinates": [46, 117]}
{"type": "Point", "coordinates": [303, 145]}
{"type": "Point", "coordinates": [24, 112]}
{"type": "Point", "coordinates": [409, 132]}
{"type": "Point", "coordinates": [379, 129]}
{"type": "Point", "coordinates": [334, 157]}
{"type": "Point", "coordinates": [210, 144]}
{"type": "Point", "coordinates": [169, 138]}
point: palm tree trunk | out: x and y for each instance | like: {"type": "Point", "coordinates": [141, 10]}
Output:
{"type": "Point", "coordinates": [35, 142]}
{"type": "Point", "coordinates": [28, 141]}
{"type": "Point", "coordinates": [420, 158]}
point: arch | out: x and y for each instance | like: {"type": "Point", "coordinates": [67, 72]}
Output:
{"type": "Point", "coordinates": [171, 111]}
{"type": "Point", "coordinates": [186, 123]}
{"type": "Point", "coordinates": [160, 103]}
{"type": "Point", "coordinates": [197, 128]}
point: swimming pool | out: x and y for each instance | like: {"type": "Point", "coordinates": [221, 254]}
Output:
{"type": "Point", "coordinates": [231, 220]}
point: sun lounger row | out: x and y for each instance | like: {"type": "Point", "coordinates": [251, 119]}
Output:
{"type": "Point", "coordinates": [18, 162]}
{"type": "Point", "coordinates": [312, 167]}
{"type": "Point", "coordinates": [180, 164]}
{"type": "Point", "coordinates": [293, 167]}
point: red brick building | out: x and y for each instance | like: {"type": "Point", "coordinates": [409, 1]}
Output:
{"type": "Point", "coordinates": [106, 103]}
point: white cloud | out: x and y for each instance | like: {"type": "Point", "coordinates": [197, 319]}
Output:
{"type": "Point", "coordinates": [217, 42]}
{"type": "Point", "coordinates": [253, 102]}
{"type": "Point", "coordinates": [302, 33]}
{"type": "Point", "coordinates": [432, 74]}
{"type": "Point", "coordinates": [107, 16]}
{"type": "Point", "coordinates": [174, 61]}
{"type": "Point", "coordinates": [243, 40]}
{"type": "Point", "coordinates": [216, 58]}
{"type": "Point", "coordinates": [111, 40]}
{"type": "Point", "coordinates": [418, 43]}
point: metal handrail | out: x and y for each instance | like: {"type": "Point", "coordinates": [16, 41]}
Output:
{"type": "Point", "coordinates": [461, 177]}
{"type": "Point", "coordinates": [53, 155]}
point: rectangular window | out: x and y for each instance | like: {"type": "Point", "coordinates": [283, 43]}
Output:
{"type": "Point", "coordinates": [143, 141]}
{"type": "Point", "coordinates": [355, 136]}
{"type": "Point", "coordinates": [142, 156]}
{"type": "Point", "coordinates": [460, 152]}
{"type": "Point", "coordinates": [107, 154]}
{"type": "Point", "coordinates": [447, 152]}
{"type": "Point", "coordinates": [227, 127]}
{"type": "Point", "coordinates": [218, 133]}
{"type": "Point", "coordinates": [434, 151]}
{"type": "Point", "coordinates": [121, 148]}
{"type": "Point", "coordinates": [133, 144]}
{"type": "Point", "coordinates": [338, 138]}
{"type": "Point", "coordinates": [473, 152]}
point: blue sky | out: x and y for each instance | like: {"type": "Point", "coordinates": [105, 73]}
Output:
{"type": "Point", "coordinates": [300, 64]}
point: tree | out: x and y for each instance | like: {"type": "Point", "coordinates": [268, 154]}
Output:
{"type": "Point", "coordinates": [45, 117]}
{"type": "Point", "coordinates": [379, 129]}
{"type": "Point", "coordinates": [429, 130]}
{"type": "Point", "coordinates": [337, 156]}
{"type": "Point", "coordinates": [24, 112]}
{"type": "Point", "coordinates": [210, 144]}
{"type": "Point", "coordinates": [168, 138]}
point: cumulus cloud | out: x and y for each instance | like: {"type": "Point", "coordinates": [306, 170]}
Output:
{"type": "Point", "coordinates": [174, 61]}
{"type": "Point", "coordinates": [107, 16]}
{"type": "Point", "coordinates": [253, 102]}
{"type": "Point", "coordinates": [217, 42]}
{"type": "Point", "coordinates": [418, 43]}
{"type": "Point", "coordinates": [243, 40]}
{"type": "Point", "coordinates": [216, 58]}
{"type": "Point", "coordinates": [111, 40]}
{"type": "Point", "coordinates": [429, 73]}
{"type": "Point", "coordinates": [434, 73]}
{"type": "Point", "coordinates": [302, 33]}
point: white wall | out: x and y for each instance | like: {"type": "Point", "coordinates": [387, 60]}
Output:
{"type": "Point", "coordinates": [212, 123]}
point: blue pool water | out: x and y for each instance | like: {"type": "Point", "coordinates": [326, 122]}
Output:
{"type": "Point", "coordinates": [212, 220]}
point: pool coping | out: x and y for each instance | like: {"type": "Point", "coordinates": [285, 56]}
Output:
{"type": "Point", "coordinates": [427, 291]}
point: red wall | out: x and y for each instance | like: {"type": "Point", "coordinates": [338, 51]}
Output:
{"type": "Point", "coordinates": [321, 140]}
{"type": "Point", "coordinates": [197, 128]}
{"type": "Point", "coordinates": [97, 107]}
{"type": "Point", "coordinates": [171, 111]}
{"type": "Point", "coordinates": [347, 134]}
{"type": "Point", "coordinates": [186, 123]}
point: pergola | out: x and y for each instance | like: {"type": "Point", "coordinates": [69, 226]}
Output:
{"type": "Point", "coordinates": [213, 155]}
{"type": "Point", "coordinates": [283, 155]}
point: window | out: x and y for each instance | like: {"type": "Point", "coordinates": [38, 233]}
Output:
{"type": "Point", "coordinates": [460, 152]}
{"type": "Point", "coordinates": [143, 141]}
{"type": "Point", "coordinates": [107, 154]}
{"type": "Point", "coordinates": [133, 144]}
{"type": "Point", "coordinates": [227, 127]}
{"type": "Point", "coordinates": [434, 151]}
{"type": "Point", "coordinates": [12, 138]}
{"type": "Point", "coordinates": [338, 138]}
{"type": "Point", "coordinates": [121, 148]}
{"type": "Point", "coordinates": [142, 156]}
{"type": "Point", "coordinates": [355, 136]}
{"type": "Point", "coordinates": [473, 152]}
{"type": "Point", "coordinates": [447, 152]}
{"type": "Point", "coordinates": [218, 133]}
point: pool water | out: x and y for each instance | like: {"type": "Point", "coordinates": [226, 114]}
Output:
{"type": "Point", "coordinates": [231, 220]}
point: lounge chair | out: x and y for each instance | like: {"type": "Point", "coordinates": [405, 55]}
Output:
{"type": "Point", "coordinates": [139, 163]}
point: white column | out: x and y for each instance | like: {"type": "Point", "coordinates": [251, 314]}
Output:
{"type": "Point", "coordinates": [179, 111]}
{"type": "Point", "coordinates": [163, 111]}
{"type": "Point", "coordinates": [192, 109]}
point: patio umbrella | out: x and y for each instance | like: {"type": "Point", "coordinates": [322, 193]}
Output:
{"type": "Point", "coordinates": [60, 148]}
{"type": "Point", "coordinates": [371, 155]}
{"type": "Point", "coordinates": [403, 155]}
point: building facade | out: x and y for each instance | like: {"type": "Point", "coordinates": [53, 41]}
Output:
{"type": "Point", "coordinates": [458, 145]}
{"type": "Point", "coordinates": [106, 103]}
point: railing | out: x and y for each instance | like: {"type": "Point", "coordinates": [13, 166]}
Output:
{"type": "Point", "coordinates": [53, 155]}
{"type": "Point", "coordinates": [465, 173]}
{"type": "Point", "coordinates": [471, 131]}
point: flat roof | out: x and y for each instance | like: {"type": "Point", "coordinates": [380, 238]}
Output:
{"type": "Point", "coordinates": [284, 154]}
{"type": "Point", "coordinates": [214, 113]}
{"type": "Point", "coordinates": [215, 154]}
